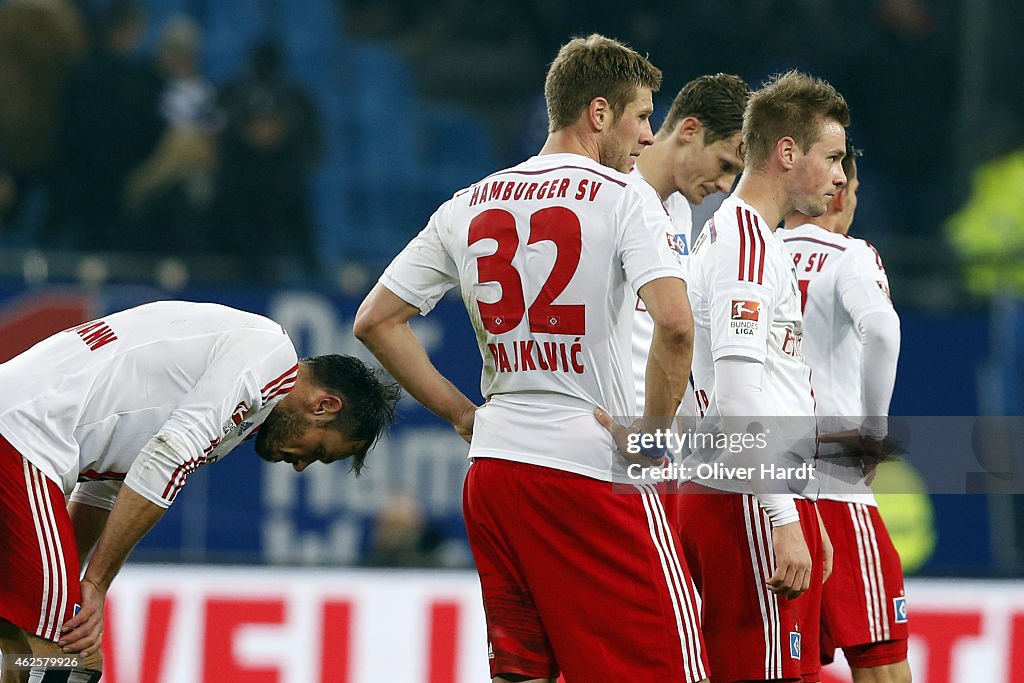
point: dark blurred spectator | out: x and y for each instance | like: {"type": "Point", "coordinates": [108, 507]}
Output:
{"type": "Point", "coordinates": [402, 536]}
{"type": "Point", "coordinates": [265, 79]}
{"type": "Point", "coordinates": [167, 200]}
{"type": "Point", "coordinates": [110, 125]}
{"type": "Point", "coordinates": [268, 150]}
{"type": "Point", "coordinates": [188, 100]}
{"type": "Point", "coordinates": [39, 44]}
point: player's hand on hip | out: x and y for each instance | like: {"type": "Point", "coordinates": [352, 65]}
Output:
{"type": "Point", "coordinates": [83, 633]}
{"type": "Point", "coordinates": [792, 575]}
{"type": "Point", "coordinates": [621, 435]}
{"type": "Point", "coordinates": [827, 551]}
{"type": "Point", "coordinates": [464, 425]}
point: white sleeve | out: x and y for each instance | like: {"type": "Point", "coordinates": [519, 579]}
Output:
{"type": "Point", "coordinates": [863, 288]}
{"type": "Point", "coordinates": [251, 367]}
{"type": "Point", "coordinates": [739, 393]}
{"type": "Point", "coordinates": [880, 340]}
{"type": "Point", "coordinates": [98, 494]}
{"type": "Point", "coordinates": [644, 240]}
{"type": "Point", "coordinates": [423, 271]}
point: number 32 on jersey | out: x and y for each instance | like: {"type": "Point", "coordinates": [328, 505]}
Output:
{"type": "Point", "coordinates": [555, 224]}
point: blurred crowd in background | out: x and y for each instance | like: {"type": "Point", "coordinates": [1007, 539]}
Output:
{"type": "Point", "coordinates": [295, 138]}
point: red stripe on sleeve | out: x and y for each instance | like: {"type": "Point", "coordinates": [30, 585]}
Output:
{"type": "Point", "coordinates": [743, 240]}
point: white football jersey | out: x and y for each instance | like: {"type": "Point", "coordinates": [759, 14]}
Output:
{"type": "Point", "coordinates": [678, 239]}
{"type": "Point", "coordinates": [146, 396]}
{"type": "Point", "coordinates": [548, 256]}
{"type": "Point", "coordinates": [746, 303]}
{"type": "Point", "coordinates": [841, 279]}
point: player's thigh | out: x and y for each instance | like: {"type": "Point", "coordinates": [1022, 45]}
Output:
{"type": "Point", "coordinates": [864, 601]}
{"type": "Point", "coordinates": [751, 633]}
{"type": "Point", "coordinates": [605, 573]}
{"type": "Point", "coordinates": [37, 549]}
{"type": "Point", "coordinates": [612, 586]}
{"type": "Point", "coordinates": [518, 646]}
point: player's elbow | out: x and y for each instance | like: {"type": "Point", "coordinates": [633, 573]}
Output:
{"type": "Point", "coordinates": [371, 321]}
{"type": "Point", "coordinates": [880, 332]}
{"type": "Point", "coordinates": [367, 323]}
{"type": "Point", "coordinates": [675, 327]}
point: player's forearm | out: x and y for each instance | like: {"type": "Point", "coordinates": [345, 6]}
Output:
{"type": "Point", "coordinates": [400, 352]}
{"type": "Point", "coordinates": [87, 521]}
{"type": "Point", "coordinates": [741, 402]}
{"type": "Point", "coordinates": [668, 367]}
{"type": "Point", "coordinates": [130, 519]}
{"type": "Point", "coordinates": [880, 337]}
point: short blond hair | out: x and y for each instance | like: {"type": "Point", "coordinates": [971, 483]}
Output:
{"type": "Point", "coordinates": [591, 67]}
{"type": "Point", "coordinates": [793, 105]}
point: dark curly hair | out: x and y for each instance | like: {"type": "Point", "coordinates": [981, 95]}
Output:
{"type": "Point", "coordinates": [368, 396]}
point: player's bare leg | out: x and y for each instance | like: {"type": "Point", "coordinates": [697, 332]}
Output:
{"type": "Point", "coordinates": [15, 641]}
{"type": "Point", "coordinates": [887, 673]}
{"type": "Point", "coordinates": [12, 643]}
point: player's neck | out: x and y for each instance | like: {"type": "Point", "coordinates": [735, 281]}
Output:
{"type": "Point", "coordinates": [766, 196]}
{"type": "Point", "coordinates": [569, 141]}
{"type": "Point", "coordinates": [655, 165]}
{"type": "Point", "coordinates": [826, 223]}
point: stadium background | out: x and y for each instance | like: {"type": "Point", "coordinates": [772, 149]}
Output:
{"type": "Point", "coordinates": [383, 110]}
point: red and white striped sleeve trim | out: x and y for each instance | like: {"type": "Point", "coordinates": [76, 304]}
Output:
{"type": "Point", "coordinates": [181, 472]}
{"type": "Point", "coordinates": [752, 247]}
{"type": "Point", "coordinates": [280, 385]}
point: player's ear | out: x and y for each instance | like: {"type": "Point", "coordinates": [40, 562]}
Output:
{"type": "Point", "coordinates": [786, 152]}
{"type": "Point", "coordinates": [328, 405]}
{"type": "Point", "coordinates": [688, 129]}
{"type": "Point", "coordinates": [599, 113]}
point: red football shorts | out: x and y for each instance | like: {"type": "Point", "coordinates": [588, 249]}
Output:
{"type": "Point", "coordinates": [40, 588]}
{"type": "Point", "coordinates": [751, 633]}
{"type": "Point", "coordinates": [864, 607]}
{"type": "Point", "coordinates": [580, 579]}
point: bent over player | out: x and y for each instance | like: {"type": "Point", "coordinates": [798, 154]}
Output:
{"type": "Point", "coordinates": [549, 256]}
{"type": "Point", "coordinates": [852, 344]}
{"type": "Point", "coordinates": [126, 407]}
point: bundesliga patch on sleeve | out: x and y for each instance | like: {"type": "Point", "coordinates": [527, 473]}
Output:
{"type": "Point", "coordinates": [744, 317]}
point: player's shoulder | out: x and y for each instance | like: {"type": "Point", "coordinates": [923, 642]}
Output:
{"type": "Point", "coordinates": [735, 223]}
{"type": "Point", "coordinates": [865, 252]}
{"type": "Point", "coordinates": [813, 236]}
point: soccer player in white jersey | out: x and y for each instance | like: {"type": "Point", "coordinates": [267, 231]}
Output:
{"type": "Point", "coordinates": [851, 343]}
{"type": "Point", "coordinates": [117, 413]}
{"type": "Point", "coordinates": [756, 550]}
{"type": "Point", "coordinates": [549, 256]}
{"type": "Point", "coordinates": [696, 152]}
